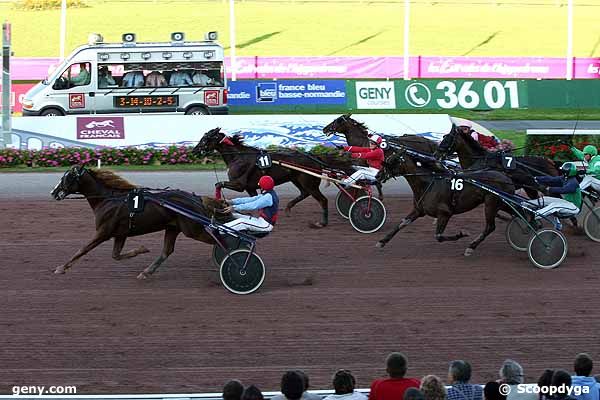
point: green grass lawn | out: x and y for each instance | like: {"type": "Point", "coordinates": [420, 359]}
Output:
{"type": "Point", "coordinates": [127, 168]}
{"type": "Point", "coordinates": [318, 28]}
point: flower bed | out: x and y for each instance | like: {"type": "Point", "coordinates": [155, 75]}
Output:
{"type": "Point", "coordinates": [554, 146]}
{"type": "Point", "coordinates": [107, 156]}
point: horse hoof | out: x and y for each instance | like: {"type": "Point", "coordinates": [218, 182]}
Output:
{"type": "Point", "coordinates": [60, 270]}
{"type": "Point", "coordinates": [464, 234]}
{"type": "Point", "coordinates": [468, 251]}
{"type": "Point", "coordinates": [143, 250]}
{"type": "Point", "coordinates": [316, 225]}
{"type": "Point", "coordinates": [380, 245]}
{"type": "Point", "coordinates": [142, 276]}
{"type": "Point", "coordinates": [288, 212]}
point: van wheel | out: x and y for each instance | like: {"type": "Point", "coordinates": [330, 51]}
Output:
{"type": "Point", "coordinates": [52, 112]}
{"type": "Point", "coordinates": [197, 111]}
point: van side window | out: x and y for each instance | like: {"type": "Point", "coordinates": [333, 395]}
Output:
{"type": "Point", "coordinates": [75, 75]}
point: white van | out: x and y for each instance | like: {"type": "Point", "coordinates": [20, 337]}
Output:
{"type": "Point", "coordinates": [129, 77]}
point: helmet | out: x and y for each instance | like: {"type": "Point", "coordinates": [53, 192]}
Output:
{"type": "Point", "coordinates": [591, 150]}
{"type": "Point", "coordinates": [266, 183]}
{"type": "Point", "coordinates": [568, 169]}
{"type": "Point", "coordinates": [376, 139]}
{"type": "Point", "coordinates": [466, 123]}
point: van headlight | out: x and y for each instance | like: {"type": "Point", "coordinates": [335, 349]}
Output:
{"type": "Point", "coordinates": [27, 103]}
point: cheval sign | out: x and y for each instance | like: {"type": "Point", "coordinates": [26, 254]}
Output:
{"type": "Point", "coordinates": [100, 128]}
{"type": "Point", "coordinates": [375, 95]}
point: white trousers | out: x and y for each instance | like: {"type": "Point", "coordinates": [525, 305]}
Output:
{"type": "Point", "coordinates": [588, 181]}
{"type": "Point", "coordinates": [362, 173]}
{"type": "Point", "coordinates": [555, 206]}
{"type": "Point", "coordinates": [245, 222]}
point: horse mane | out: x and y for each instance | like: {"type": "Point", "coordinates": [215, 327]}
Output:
{"type": "Point", "coordinates": [111, 180]}
{"type": "Point", "coordinates": [360, 125]}
{"type": "Point", "coordinates": [238, 139]}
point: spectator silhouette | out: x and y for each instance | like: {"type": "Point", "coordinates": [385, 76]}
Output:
{"type": "Point", "coordinates": [433, 388]}
{"type": "Point", "coordinates": [292, 386]}
{"type": "Point", "coordinates": [343, 384]}
{"type": "Point", "coordinates": [545, 381]}
{"type": "Point", "coordinates": [583, 366]}
{"type": "Point", "coordinates": [252, 393]}
{"type": "Point", "coordinates": [393, 388]}
{"type": "Point", "coordinates": [511, 373]}
{"type": "Point", "coordinates": [561, 380]}
{"type": "Point", "coordinates": [233, 390]}
{"type": "Point", "coordinates": [459, 375]}
{"type": "Point", "coordinates": [491, 391]}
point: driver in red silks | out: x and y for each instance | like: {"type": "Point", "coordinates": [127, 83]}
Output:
{"type": "Point", "coordinates": [487, 142]}
{"type": "Point", "coordinates": [374, 156]}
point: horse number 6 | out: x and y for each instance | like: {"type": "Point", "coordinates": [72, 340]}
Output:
{"type": "Point", "coordinates": [456, 184]}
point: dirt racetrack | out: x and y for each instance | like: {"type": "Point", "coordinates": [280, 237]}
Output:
{"type": "Point", "coordinates": [330, 300]}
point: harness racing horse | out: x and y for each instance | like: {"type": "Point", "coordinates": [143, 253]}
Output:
{"type": "Point", "coordinates": [473, 156]}
{"type": "Point", "coordinates": [438, 196]}
{"type": "Point", "coordinates": [106, 194]}
{"type": "Point", "coordinates": [357, 134]}
{"type": "Point", "coordinates": [244, 174]}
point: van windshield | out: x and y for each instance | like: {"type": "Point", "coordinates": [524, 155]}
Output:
{"type": "Point", "coordinates": [54, 72]}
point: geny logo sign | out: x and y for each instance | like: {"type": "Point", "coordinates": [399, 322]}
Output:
{"type": "Point", "coordinates": [100, 128]}
{"type": "Point", "coordinates": [375, 95]}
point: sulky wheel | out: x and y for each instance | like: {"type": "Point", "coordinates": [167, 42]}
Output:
{"type": "Point", "coordinates": [367, 214]}
{"type": "Point", "coordinates": [591, 224]}
{"type": "Point", "coordinates": [518, 234]}
{"type": "Point", "coordinates": [547, 248]}
{"type": "Point", "coordinates": [232, 243]}
{"type": "Point", "coordinates": [343, 202]}
{"type": "Point", "coordinates": [239, 279]}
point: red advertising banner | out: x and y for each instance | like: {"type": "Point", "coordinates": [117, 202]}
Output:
{"type": "Point", "coordinates": [18, 91]}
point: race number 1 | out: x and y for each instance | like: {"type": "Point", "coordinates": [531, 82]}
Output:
{"type": "Point", "coordinates": [263, 161]}
{"type": "Point", "coordinates": [135, 202]}
{"type": "Point", "coordinates": [456, 184]}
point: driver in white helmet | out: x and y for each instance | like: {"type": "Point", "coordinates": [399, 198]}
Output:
{"type": "Point", "coordinates": [374, 156]}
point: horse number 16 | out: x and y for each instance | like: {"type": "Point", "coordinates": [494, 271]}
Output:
{"type": "Point", "coordinates": [456, 184]}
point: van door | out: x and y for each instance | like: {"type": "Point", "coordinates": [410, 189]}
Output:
{"type": "Point", "coordinates": [73, 90]}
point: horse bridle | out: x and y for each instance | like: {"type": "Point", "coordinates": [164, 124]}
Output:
{"type": "Point", "coordinates": [448, 148]}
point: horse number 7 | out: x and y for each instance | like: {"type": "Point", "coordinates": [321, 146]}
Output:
{"type": "Point", "coordinates": [456, 184]}
{"type": "Point", "coordinates": [509, 161]}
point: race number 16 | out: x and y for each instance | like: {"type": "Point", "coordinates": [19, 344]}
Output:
{"type": "Point", "coordinates": [494, 95]}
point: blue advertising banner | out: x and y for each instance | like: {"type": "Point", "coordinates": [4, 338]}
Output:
{"type": "Point", "coordinates": [286, 92]}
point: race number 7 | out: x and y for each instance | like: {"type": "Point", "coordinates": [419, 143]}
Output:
{"type": "Point", "coordinates": [508, 162]}
{"type": "Point", "coordinates": [456, 184]}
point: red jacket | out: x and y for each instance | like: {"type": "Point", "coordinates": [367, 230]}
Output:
{"type": "Point", "coordinates": [391, 388]}
{"type": "Point", "coordinates": [374, 157]}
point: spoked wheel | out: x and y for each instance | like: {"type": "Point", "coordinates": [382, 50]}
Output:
{"type": "Point", "coordinates": [343, 202]}
{"type": "Point", "coordinates": [547, 248]}
{"type": "Point", "coordinates": [367, 214]}
{"type": "Point", "coordinates": [239, 279]}
{"type": "Point", "coordinates": [591, 224]}
{"type": "Point", "coordinates": [518, 234]}
{"type": "Point", "coordinates": [232, 243]}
